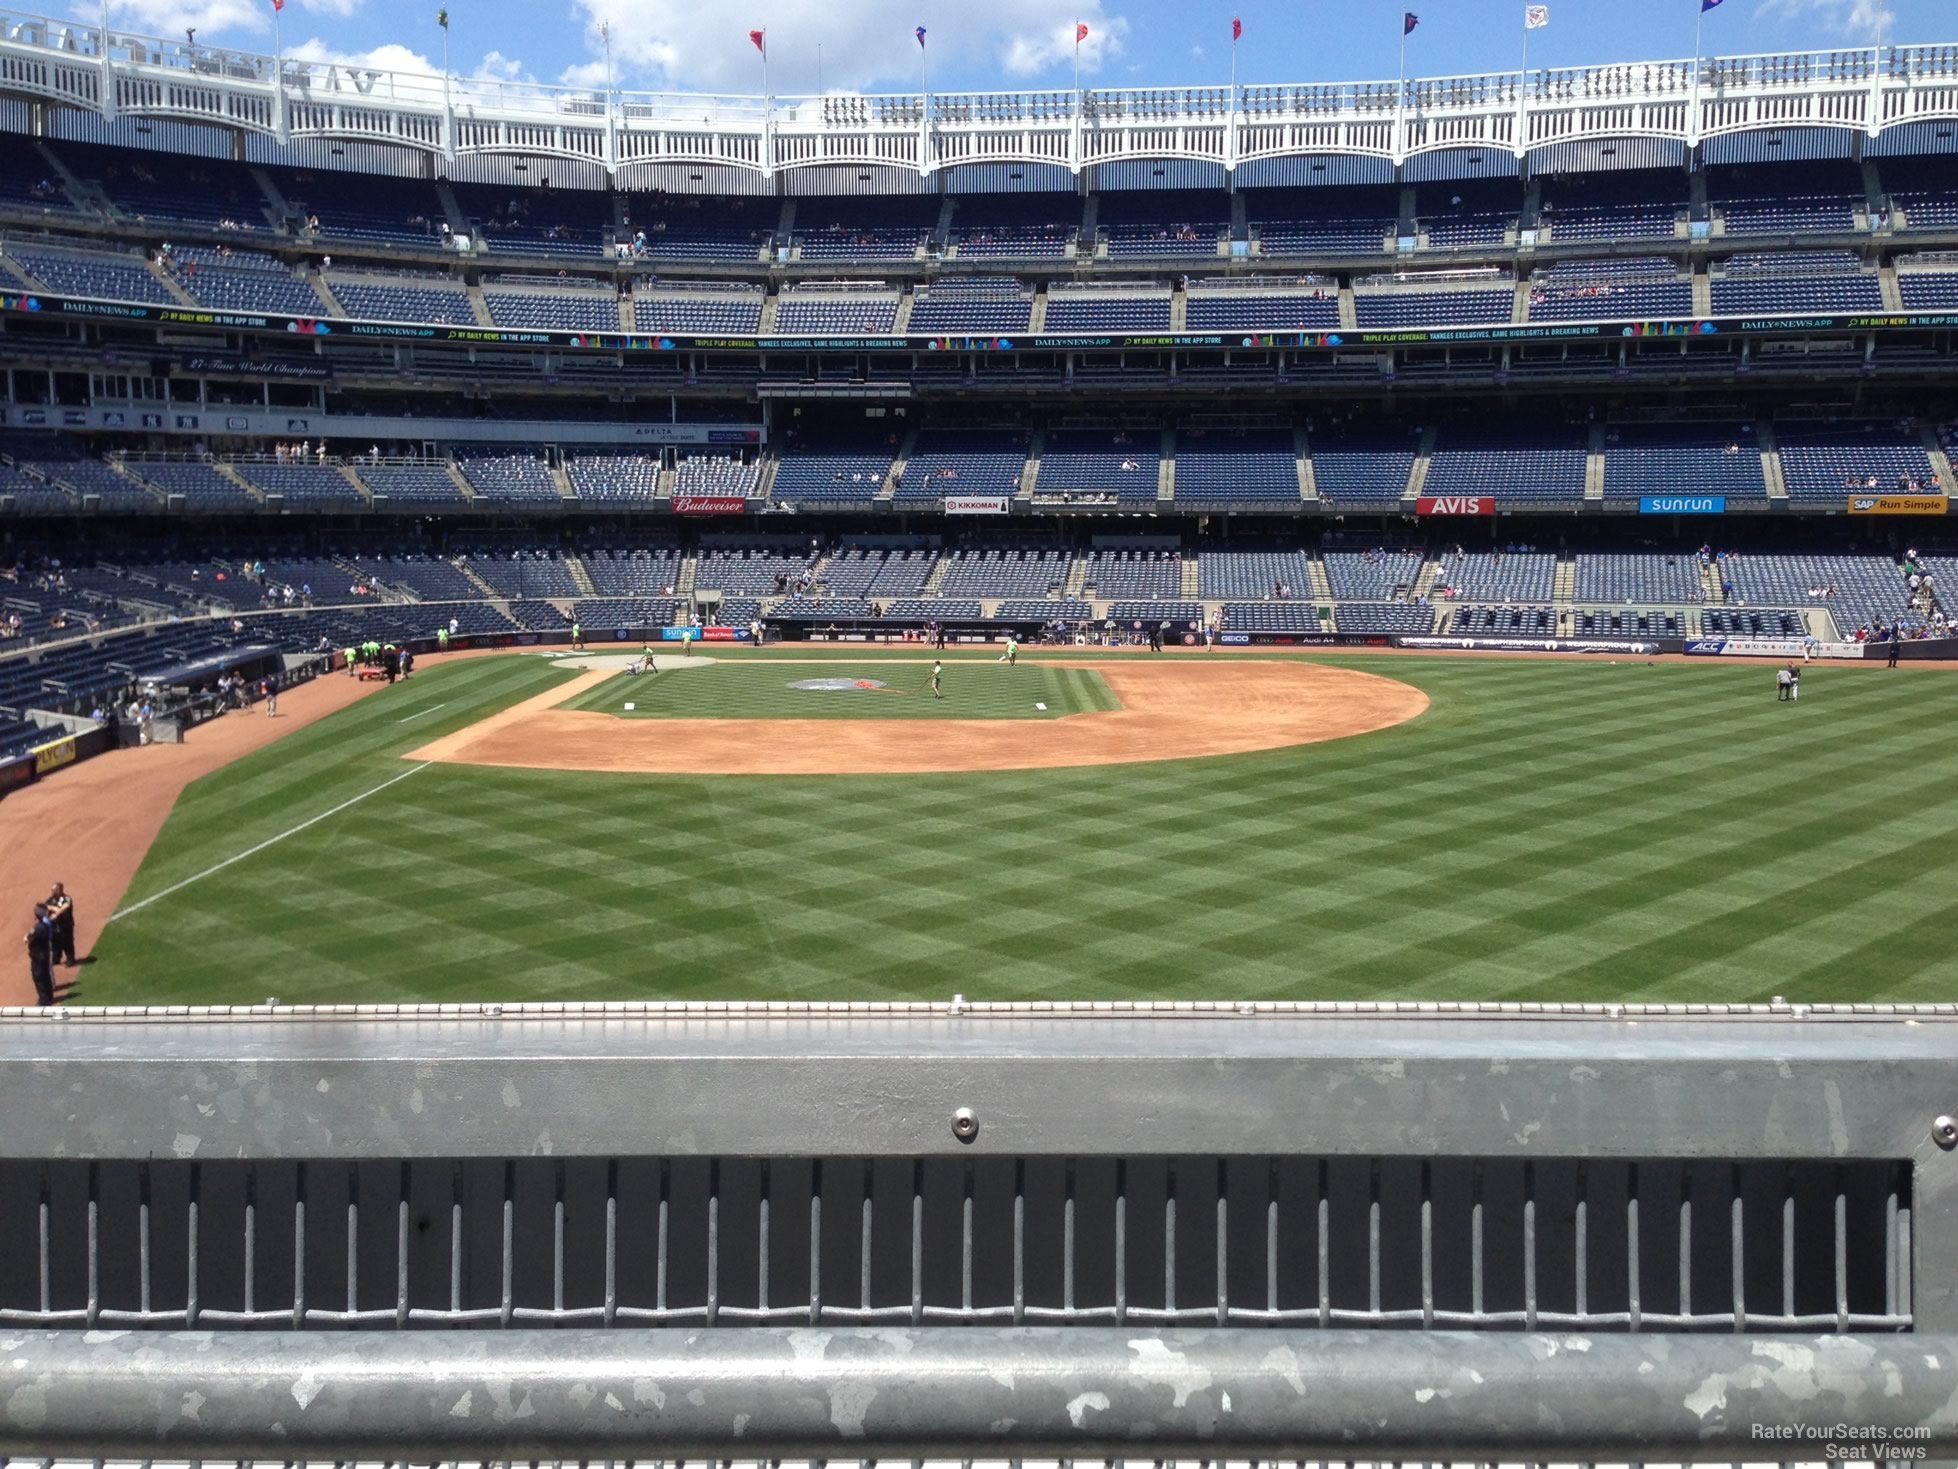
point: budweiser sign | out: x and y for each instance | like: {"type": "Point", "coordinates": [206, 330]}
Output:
{"type": "Point", "coordinates": [1455, 505]}
{"type": "Point", "coordinates": [709, 504]}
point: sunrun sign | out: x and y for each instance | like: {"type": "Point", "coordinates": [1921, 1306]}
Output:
{"type": "Point", "coordinates": [1682, 505]}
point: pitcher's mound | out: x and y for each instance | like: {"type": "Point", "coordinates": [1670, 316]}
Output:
{"type": "Point", "coordinates": [1177, 709]}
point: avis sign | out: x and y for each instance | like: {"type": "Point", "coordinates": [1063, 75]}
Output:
{"type": "Point", "coordinates": [1455, 505]}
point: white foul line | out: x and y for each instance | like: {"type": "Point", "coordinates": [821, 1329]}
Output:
{"type": "Point", "coordinates": [268, 842]}
{"type": "Point", "coordinates": [420, 712]}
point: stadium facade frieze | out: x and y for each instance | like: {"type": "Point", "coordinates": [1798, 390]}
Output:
{"type": "Point", "coordinates": [350, 428]}
{"type": "Point", "coordinates": [326, 328]}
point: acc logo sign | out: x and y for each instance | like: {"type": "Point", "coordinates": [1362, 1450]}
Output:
{"type": "Point", "coordinates": [1455, 505]}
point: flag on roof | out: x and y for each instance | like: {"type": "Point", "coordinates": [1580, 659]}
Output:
{"type": "Point", "coordinates": [760, 38]}
{"type": "Point", "coordinates": [1535, 17]}
{"type": "Point", "coordinates": [1408, 22]}
{"type": "Point", "coordinates": [921, 38]}
{"type": "Point", "coordinates": [1237, 28]}
{"type": "Point", "coordinates": [278, 5]}
{"type": "Point", "coordinates": [442, 19]}
{"type": "Point", "coordinates": [1706, 5]}
{"type": "Point", "coordinates": [1080, 32]}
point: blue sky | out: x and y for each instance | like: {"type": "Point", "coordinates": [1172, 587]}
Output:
{"type": "Point", "coordinates": [1014, 44]}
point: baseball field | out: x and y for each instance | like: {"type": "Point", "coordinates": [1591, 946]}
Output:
{"type": "Point", "coordinates": [796, 824]}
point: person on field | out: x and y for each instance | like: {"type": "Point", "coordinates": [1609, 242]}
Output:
{"type": "Point", "coordinates": [1896, 644]}
{"type": "Point", "coordinates": [441, 640]}
{"type": "Point", "coordinates": [686, 641]}
{"type": "Point", "coordinates": [577, 635]}
{"type": "Point", "coordinates": [61, 911]}
{"type": "Point", "coordinates": [269, 687]}
{"type": "Point", "coordinates": [40, 955]}
{"type": "Point", "coordinates": [1784, 683]}
{"type": "Point", "coordinates": [1012, 654]}
{"type": "Point", "coordinates": [937, 675]}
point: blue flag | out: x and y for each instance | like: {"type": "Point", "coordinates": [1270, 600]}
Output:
{"type": "Point", "coordinates": [1706, 5]}
{"type": "Point", "coordinates": [921, 32]}
{"type": "Point", "coordinates": [1410, 20]}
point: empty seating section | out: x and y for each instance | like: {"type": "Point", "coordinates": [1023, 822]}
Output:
{"type": "Point", "coordinates": [823, 609]}
{"type": "Point", "coordinates": [1512, 622]}
{"type": "Point", "coordinates": [1378, 575]}
{"type": "Point", "coordinates": [156, 186]}
{"type": "Point", "coordinates": [1830, 461]}
{"type": "Point", "coordinates": [1320, 221]}
{"type": "Point", "coordinates": [664, 227]}
{"type": "Point", "coordinates": [363, 206]}
{"type": "Point", "coordinates": [1752, 623]}
{"type": "Point", "coordinates": [1015, 226]}
{"type": "Point", "coordinates": [701, 473]}
{"type": "Point", "coordinates": [302, 484]}
{"type": "Point", "coordinates": [1605, 290]}
{"type": "Point", "coordinates": [1858, 591]}
{"type": "Point", "coordinates": [831, 313]}
{"type": "Point", "coordinates": [1250, 574]}
{"type": "Point", "coordinates": [1405, 618]}
{"type": "Point", "coordinates": [964, 462]}
{"type": "Point", "coordinates": [27, 189]}
{"type": "Point", "coordinates": [87, 477]}
{"type": "Point", "coordinates": [1511, 460]}
{"type": "Point", "coordinates": [971, 304]}
{"type": "Point", "coordinates": [1156, 223]}
{"type": "Point", "coordinates": [1142, 572]}
{"type": "Point", "coordinates": [118, 277]}
{"type": "Point", "coordinates": [1308, 305]}
{"type": "Point", "coordinates": [1005, 571]}
{"type": "Point", "coordinates": [1498, 576]}
{"type": "Point", "coordinates": [1155, 612]}
{"type": "Point", "coordinates": [1921, 187]}
{"type": "Point", "coordinates": [1276, 617]}
{"type": "Point", "coordinates": [665, 309]}
{"type": "Point", "coordinates": [537, 221]}
{"type": "Point", "coordinates": [762, 570]}
{"type": "Point", "coordinates": [1683, 459]}
{"type": "Point", "coordinates": [1066, 609]}
{"type": "Point", "coordinates": [1467, 212]}
{"type": "Point", "coordinates": [834, 466]}
{"type": "Point", "coordinates": [1628, 625]}
{"type": "Point", "coordinates": [1481, 306]}
{"type": "Point", "coordinates": [426, 482]}
{"type": "Point", "coordinates": [1098, 462]}
{"type": "Point", "coordinates": [503, 474]}
{"type": "Point", "coordinates": [200, 484]}
{"type": "Point", "coordinates": [627, 612]}
{"type": "Point", "coordinates": [627, 474]}
{"type": "Point", "coordinates": [932, 609]}
{"type": "Point", "coordinates": [1245, 464]}
{"type": "Point", "coordinates": [1816, 280]}
{"type": "Point", "coordinates": [1099, 309]}
{"type": "Point", "coordinates": [1363, 464]}
{"type": "Point", "coordinates": [227, 289]}
{"type": "Point", "coordinates": [428, 578]}
{"type": "Point", "coordinates": [524, 573]}
{"type": "Point", "coordinates": [879, 571]}
{"type": "Point", "coordinates": [1933, 289]}
{"type": "Point", "coordinates": [1672, 578]}
{"type": "Point", "coordinates": [855, 227]}
{"type": "Point", "coordinates": [1786, 198]}
{"type": "Point", "coordinates": [385, 300]}
{"type": "Point", "coordinates": [1613, 206]}
{"type": "Point", "coordinates": [634, 571]}
{"type": "Point", "coordinates": [564, 311]}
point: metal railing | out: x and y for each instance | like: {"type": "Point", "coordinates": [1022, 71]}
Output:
{"type": "Point", "coordinates": [1491, 1232]}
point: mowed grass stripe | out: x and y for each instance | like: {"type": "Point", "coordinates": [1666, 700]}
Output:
{"type": "Point", "coordinates": [765, 690]}
{"type": "Point", "coordinates": [1567, 831]}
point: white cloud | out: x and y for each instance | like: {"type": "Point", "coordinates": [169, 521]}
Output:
{"type": "Point", "coordinates": [391, 57]}
{"type": "Point", "coordinates": [502, 68]}
{"type": "Point", "coordinates": [339, 9]}
{"type": "Point", "coordinates": [1196, 53]}
{"type": "Point", "coordinates": [684, 45]}
{"type": "Point", "coordinates": [1860, 20]}
{"type": "Point", "coordinates": [169, 18]}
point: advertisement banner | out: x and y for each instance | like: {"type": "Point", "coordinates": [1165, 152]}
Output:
{"type": "Point", "coordinates": [53, 756]}
{"type": "Point", "coordinates": [1682, 504]}
{"type": "Point", "coordinates": [705, 634]}
{"type": "Point", "coordinates": [16, 773]}
{"type": "Point", "coordinates": [1897, 504]}
{"type": "Point", "coordinates": [1771, 648]}
{"type": "Point", "coordinates": [710, 505]}
{"type": "Point", "coordinates": [1455, 505]}
{"type": "Point", "coordinates": [976, 504]}
{"type": "Point", "coordinates": [1527, 645]}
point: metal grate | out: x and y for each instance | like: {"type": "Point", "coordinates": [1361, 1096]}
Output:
{"type": "Point", "coordinates": [1239, 1241]}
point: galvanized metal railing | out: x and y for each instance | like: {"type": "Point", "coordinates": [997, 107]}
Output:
{"type": "Point", "coordinates": [558, 1231]}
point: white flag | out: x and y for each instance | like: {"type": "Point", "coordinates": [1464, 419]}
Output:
{"type": "Point", "coordinates": [1535, 17]}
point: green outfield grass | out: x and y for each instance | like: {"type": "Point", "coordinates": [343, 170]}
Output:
{"type": "Point", "coordinates": [1547, 831]}
{"type": "Point", "coordinates": [883, 689]}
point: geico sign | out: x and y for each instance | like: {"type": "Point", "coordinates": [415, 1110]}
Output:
{"type": "Point", "coordinates": [1455, 505]}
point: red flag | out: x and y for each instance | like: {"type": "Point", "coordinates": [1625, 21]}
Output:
{"type": "Point", "coordinates": [278, 5]}
{"type": "Point", "coordinates": [1080, 32]}
{"type": "Point", "coordinates": [760, 38]}
{"type": "Point", "coordinates": [1237, 28]}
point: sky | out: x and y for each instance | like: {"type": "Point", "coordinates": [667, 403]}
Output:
{"type": "Point", "coordinates": [1010, 45]}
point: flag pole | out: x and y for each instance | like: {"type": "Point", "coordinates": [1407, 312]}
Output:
{"type": "Point", "coordinates": [1699, 27]}
{"type": "Point", "coordinates": [1077, 54]}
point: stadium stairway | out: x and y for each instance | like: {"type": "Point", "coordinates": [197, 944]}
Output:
{"type": "Point", "coordinates": [901, 323]}
{"type": "Point", "coordinates": [1940, 461]}
{"type": "Point", "coordinates": [277, 209]}
{"type": "Point", "coordinates": [1348, 315]}
{"type": "Point", "coordinates": [768, 304]}
{"type": "Point", "coordinates": [463, 487]}
{"type": "Point", "coordinates": [1594, 465]}
{"type": "Point", "coordinates": [1077, 577]}
{"type": "Point", "coordinates": [562, 481]}
{"type": "Point", "coordinates": [1179, 309]}
{"type": "Point", "coordinates": [451, 207]}
{"type": "Point", "coordinates": [628, 312]}
{"type": "Point", "coordinates": [169, 282]}
{"type": "Point", "coordinates": [941, 232]}
{"type": "Point", "coordinates": [1192, 586]}
{"type": "Point", "coordinates": [1030, 476]}
{"type": "Point", "coordinates": [1702, 292]}
{"type": "Point", "coordinates": [1893, 295]}
{"type": "Point", "coordinates": [683, 582]}
{"type": "Point", "coordinates": [888, 489]}
{"type": "Point", "coordinates": [1519, 306]}
{"type": "Point", "coordinates": [461, 564]}
{"type": "Point", "coordinates": [333, 306]}
{"type": "Point", "coordinates": [1771, 475]}
{"type": "Point", "coordinates": [1166, 466]}
{"type": "Point", "coordinates": [85, 196]}
{"type": "Point", "coordinates": [1417, 476]}
{"type": "Point", "coordinates": [1037, 318]}
{"type": "Point", "coordinates": [1563, 581]}
{"type": "Point", "coordinates": [580, 575]}
{"type": "Point", "coordinates": [935, 582]}
{"type": "Point", "coordinates": [478, 306]}
{"type": "Point", "coordinates": [1322, 587]}
{"type": "Point", "coordinates": [1308, 476]}
{"type": "Point", "coordinates": [1711, 592]}
{"type": "Point", "coordinates": [663, 484]}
